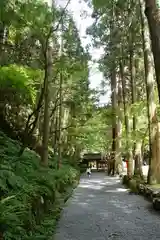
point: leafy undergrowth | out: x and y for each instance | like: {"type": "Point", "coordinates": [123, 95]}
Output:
{"type": "Point", "coordinates": [31, 196]}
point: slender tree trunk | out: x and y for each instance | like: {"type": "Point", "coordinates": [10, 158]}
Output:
{"type": "Point", "coordinates": [60, 103]}
{"type": "Point", "coordinates": [132, 69]}
{"type": "Point", "coordinates": [114, 124]}
{"type": "Point", "coordinates": [48, 72]}
{"type": "Point", "coordinates": [127, 127]}
{"type": "Point", "coordinates": [60, 124]}
{"type": "Point", "coordinates": [2, 31]}
{"type": "Point", "coordinates": [112, 161]}
{"type": "Point", "coordinates": [55, 137]}
{"type": "Point", "coordinates": [65, 124]}
{"type": "Point", "coordinates": [138, 160]}
{"type": "Point", "coordinates": [153, 125]}
{"type": "Point", "coordinates": [119, 129]}
{"type": "Point", "coordinates": [133, 90]}
{"type": "Point", "coordinates": [137, 154]}
{"type": "Point", "coordinates": [152, 12]}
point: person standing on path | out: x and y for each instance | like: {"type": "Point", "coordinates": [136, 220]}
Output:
{"type": "Point", "coordinates": [88, 171]}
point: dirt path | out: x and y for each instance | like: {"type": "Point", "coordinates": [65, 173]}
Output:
{"type": "Point", "coordinates": [101, 208]}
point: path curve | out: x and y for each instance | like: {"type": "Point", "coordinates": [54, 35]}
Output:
{"type": "Point", "coordinates": [101, 208]}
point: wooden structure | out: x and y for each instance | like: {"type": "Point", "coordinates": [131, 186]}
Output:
{"type": "Point", "coordinates": [96, 161]}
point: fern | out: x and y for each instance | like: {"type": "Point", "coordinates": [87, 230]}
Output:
{"type": "Point", "coordinates": [31, 196]}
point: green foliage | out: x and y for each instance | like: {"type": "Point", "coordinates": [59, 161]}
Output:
{"type": "Point", "coordinates": [158, 3]}
{"type": "Point", "coordinates": [34, 24]}
{"type": "Point", "coordinates": [95, 132]}
{"type": "Point", "coordinates": [18, 83]}
{"type": "Point", "coordinates": [117, 29]}
{"type": "Point", "coordinates": [31, 195]}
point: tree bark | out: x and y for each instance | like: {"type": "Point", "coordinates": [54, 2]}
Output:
{"type": "Point", "coordinates": [153, 125]}
{"type": "Point", "coordinates": [48, 72]}
{"type": "Point", "coordinates": [152, 12]}
{"type": "Point", "coordinates": [138, 160]}
{"type": "Point", "coordinates": [114, 124]}
{"type": "Point", "coordinates": [60, 102]}
{"type": "Point", "coordinates": [119, 166]}
{"type": "Point", "coordinates": [133, 89]}
{"type": "Point", "coordinates": [60, 124]}
{"type": "Point", "coordinates": [137, 154]}
{"type": "Point", "coordinates": [126, 119]}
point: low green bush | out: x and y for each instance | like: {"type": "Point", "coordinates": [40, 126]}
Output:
{"type": "Point", "coordinates": [17, 83]}
{"type": "Point", "coordinates": [30, 195]}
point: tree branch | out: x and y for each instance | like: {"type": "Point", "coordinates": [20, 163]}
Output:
{"type": "Point", "coordinates": [57, 26]}
{"type": "Point", "coordinates": [62, 129]}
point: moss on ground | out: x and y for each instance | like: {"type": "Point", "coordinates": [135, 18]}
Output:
{"type": "Point", "coordinates": [133, 183]}
{"type": "Point", "coordinates": [134, 186]}
{"type": "Point", "coordinates": [154, 186]}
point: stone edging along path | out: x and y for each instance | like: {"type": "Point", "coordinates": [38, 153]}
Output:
{"type": "Point", "coordinates": [150, 192]}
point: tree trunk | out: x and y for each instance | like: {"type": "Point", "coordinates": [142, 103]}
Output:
{"type": "Point", "coordinates": [60, 103]}
{"type": "Point", "coordinates": [138, 160]}
{"type": "Point", "coordinates": [154, 163]}
{"type": "Point", "coordinates": [119, 166]}
{"type": "Point", "coordinates": [55, 136]}
{"type": "Point", "coordinates": [2, 31]}
{"type": "Point", "coordinates": [48, 72]}
{"type": "Point", "coordinates": [60, 124]}
{"type": "Point", "coordinates": [133, 89]}
{"type": "Point", "coordinates": [114, 125]}
{"type": "Point", "coordinates": [126, 118]}
{"type": "Point", "coordinates": [137, 154]}
{"type": "Point", "coordinates": [152, 12]}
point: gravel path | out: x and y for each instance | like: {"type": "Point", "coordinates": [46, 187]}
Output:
{"type": "Point", "coordinates": [101, 208]}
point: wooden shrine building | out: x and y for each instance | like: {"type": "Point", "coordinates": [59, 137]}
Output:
{"type": "Point", "coordinates": [96, 161]}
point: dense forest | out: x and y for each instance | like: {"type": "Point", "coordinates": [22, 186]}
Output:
{"type": "Point", "coordinates": [50, 115]}
{"type": "Point", "coordinates": [128, 31]}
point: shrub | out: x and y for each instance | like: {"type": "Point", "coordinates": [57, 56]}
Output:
{"type": "Point", "coordinates": [18, 83]}
{"type": "Point", "coordinates": [30, 194]}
